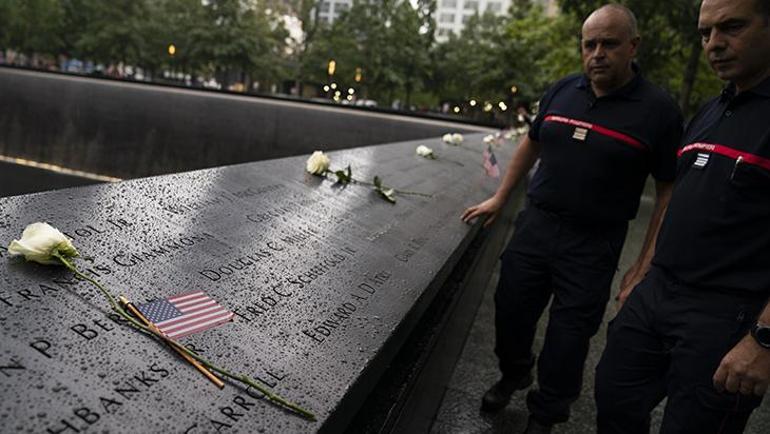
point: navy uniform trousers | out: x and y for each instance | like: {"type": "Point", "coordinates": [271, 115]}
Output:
{"type": "Point", "coordinates": [573, 263]}
{"type": "Point", "coordinates": [668, 340]}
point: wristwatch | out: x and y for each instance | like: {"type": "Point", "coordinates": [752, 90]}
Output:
{"type": "Point", "coordinates": [761, 333]}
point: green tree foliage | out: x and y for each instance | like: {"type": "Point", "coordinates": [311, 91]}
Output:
{"type": "Point", "coordinates": [237, 40]}
{"type": "Point", "coordinates": [528, 50]}
{"type": "Point", "coordinates": [112, 31]}
{"type": "Point", "coordinates": [389, 40]}
{"type": "Point", "coordinates": [31, 26]}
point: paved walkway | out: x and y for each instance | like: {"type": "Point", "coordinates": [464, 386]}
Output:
{"type": "Point", "coordinates": [477, 370]}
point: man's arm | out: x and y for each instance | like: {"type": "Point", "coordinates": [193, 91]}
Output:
{"type": "Point", "coordinates": [523, 159]}
{"type": "Point", "coordinates": [636, 273]}
{"type": "Point", "coordinates": [746, 368]}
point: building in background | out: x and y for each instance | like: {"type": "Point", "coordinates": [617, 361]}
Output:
{"type": "Point", "coordinates": [331, 9]}
{"type": "Point", "coordinates": [451, 15]}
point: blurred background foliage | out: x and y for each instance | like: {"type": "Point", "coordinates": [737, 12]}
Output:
{"type": "Point", "coordinates": [385, 49]}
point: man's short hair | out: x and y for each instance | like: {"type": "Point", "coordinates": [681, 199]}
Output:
{"type": "Point", "coordinates": [633, 25]}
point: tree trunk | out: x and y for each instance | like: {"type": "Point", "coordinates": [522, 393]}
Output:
{"type": "Point", "coordinates": [408, 99]}
{"type": "Point", "coordinates": [690, 73]}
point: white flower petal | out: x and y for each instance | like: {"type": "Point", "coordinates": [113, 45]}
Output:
{"type": "Point", "coordinates": [318, 163]}
{"type": "Point", "coordinates": [38, 243]}
{"type": "Point", "coordinates": [424, 151]}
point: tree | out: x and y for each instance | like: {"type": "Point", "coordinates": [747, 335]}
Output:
{"type": "Point", "coordinates": [390, 40]}
{"type": "Point", "coordinates": [307, 12]}
{"type": "Point", "coordinates": [114, 31]}
{"type": "Point", "coordinates": [31, 26]}
{"type": "Point", "coordinates": [527, 50]}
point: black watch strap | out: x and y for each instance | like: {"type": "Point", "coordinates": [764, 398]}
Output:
{"type": "Point", "coordinates": [761, 333]}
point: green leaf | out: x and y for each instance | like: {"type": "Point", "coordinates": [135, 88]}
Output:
{"type": "Point", "coordinates": [344, 177]}
{"type": "Point", "coordinates": [377, 182]}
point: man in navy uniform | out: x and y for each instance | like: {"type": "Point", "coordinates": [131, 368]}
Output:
{"type": "Point", "coordinates": [697, 328]}
{"type": "Point", "coordinates": [599, 135]}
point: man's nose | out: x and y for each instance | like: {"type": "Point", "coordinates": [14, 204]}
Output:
{"type": "Point", "coordinates": [715, 41]}
{"type": "Point", "coordinates": [599, 51]}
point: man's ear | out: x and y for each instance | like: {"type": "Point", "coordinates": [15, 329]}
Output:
{"type": "Point", "coordinates": [635, 41]}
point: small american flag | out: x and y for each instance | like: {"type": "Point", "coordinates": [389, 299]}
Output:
{"type": "Point", "coordinates": [185, 314]}
{"type": "Point", "coordinates": [490, 163]}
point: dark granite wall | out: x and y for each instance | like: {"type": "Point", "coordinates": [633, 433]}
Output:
{"type": "Point", "coordinates": [327, 283]}
{"type": "Point", "coordinates": [131, 130]}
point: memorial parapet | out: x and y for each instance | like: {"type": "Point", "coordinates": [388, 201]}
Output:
{"type": "Point", "coordinates": [321, 279]}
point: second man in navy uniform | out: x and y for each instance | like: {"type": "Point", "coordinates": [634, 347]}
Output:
{"type": "Point", "coordinates": [599, 135]}
{"type": "Point", "coordinates": [697, 329]}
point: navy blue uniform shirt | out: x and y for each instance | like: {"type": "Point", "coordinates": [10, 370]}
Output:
{"type": "Point", "coordinates": [597, 152]}
{"type": "Point", "coordinates": [716, 233]}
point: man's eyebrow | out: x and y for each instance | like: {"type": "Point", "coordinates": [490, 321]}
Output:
{"type": "Point", "coordinates": [732, 21]}
{"type": "Point", "coordinates": [605, 40]}
{"type": "Point", "coordinates": [726, 22]}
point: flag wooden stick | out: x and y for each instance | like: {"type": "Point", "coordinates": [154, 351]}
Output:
{"type": "Point", "coordinates": [214, 379]}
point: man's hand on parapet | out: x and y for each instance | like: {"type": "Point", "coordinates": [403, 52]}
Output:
{"type": "Point", "coordinates": [745, 369]}
{"type": "Point", "coordinates": [490, 207]}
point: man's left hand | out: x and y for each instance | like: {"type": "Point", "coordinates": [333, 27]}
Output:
{"type": "Point", "coordinates": [745, 369]}
{"type": "Point", "coordinates": [628, 283]}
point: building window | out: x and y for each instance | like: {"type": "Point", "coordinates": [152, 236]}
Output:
{"type": "Point", "coordinates": [324, 6]}
{"type": "Point", "coordinates": [472, 5]}
{"type": "Point", "coordinates": [494, 7]}
{"type": "Point", "coordinates": [449, 3]}
{"type": "Point", "coordinates": [341, 7]}
{"type": "Point", "coordinates": [447, 18]}
{"type": "Point", "coordinates": [443, 32]}
{"type": "Point", "coordinates": [466, 18]}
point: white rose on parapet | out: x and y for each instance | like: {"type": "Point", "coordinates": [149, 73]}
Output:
{"type": "Point", "coordinates": [489, 139]}
{"type": "Point", "coordinates": [452, 139]}
{"type": "Point", "coordinates": [424, 151]}
{"type": "Point", "coordinates": [318, 163]}
{"type": "Point", "coordinates": [40, 242]}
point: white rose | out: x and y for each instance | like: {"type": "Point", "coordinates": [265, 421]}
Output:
{"type": "Point", "coordinates": [489, 139]}
{"type": "Point", "coordinates": [318, 163]}
{"type": "Point", "coordinates": [424, 151]}
{"type": "Point", "coordinates": [38, 243]}
{"type": "Point", "coordinates": [452, 139]}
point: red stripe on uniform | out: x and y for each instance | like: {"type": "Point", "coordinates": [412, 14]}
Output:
{"type": "Point", "coordinates": [729, 152]}
{"type": "Point", "coordinates": [599, 129]}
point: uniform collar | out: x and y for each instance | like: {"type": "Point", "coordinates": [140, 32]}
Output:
{"type": "Point", "coordinates": [629, 90]}
{"type": "Point", "coordinates": [762, 89]}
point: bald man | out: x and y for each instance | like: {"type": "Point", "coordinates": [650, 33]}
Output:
{"type": "Point", "coordinates": [697, 328]}
{"type": "Point", "coordinates": [598, 135]}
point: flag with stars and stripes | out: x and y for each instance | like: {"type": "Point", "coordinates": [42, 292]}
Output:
{"type": "Point", "coordinates": [490, 163]}
{"type": "Point", "coordinates": [185, 314]}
